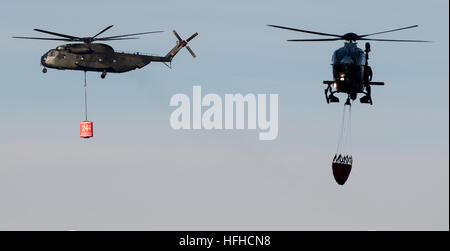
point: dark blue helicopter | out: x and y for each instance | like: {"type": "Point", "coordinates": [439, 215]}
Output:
{"type": "Point", "coordinates": [351, 71]}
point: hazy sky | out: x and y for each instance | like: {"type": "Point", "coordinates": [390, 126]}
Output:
{"type": "Point", "coordinates": [138, 173]}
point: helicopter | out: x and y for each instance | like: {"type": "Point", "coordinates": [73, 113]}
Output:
{"type": "Point", "coordinates": [351, 71]}
{"type": "Point", "coordinates": [86, 55]}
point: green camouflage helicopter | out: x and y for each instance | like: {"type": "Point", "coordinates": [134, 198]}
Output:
{"type": "Point", "coordinates": [98, 57]}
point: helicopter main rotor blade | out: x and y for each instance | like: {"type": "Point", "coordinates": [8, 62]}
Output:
{"type": "Point", "coordinates": [58, 34]}
{"type": "Point", "coordinates": [382, 32]}
{"type": "Point", "coordinates": [395, 40]}
{"type": "Point", "coordinates": [305, 31]}
{"type": "Point", "coordinates": [45, 38]}
{"type": "Point", "coordinates": [107, 28]}
{"type": "Point", "coordinates": [314, 40]}
{"type": "Point", "coordinates": [114, 39]}
{"type": "Point", "coordinates": [128, 35]}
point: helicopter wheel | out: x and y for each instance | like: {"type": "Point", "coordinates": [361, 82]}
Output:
{"type": "Point", "coordinates": [103, 75]}
{"type": "Point", "coordinates": [44, 70]}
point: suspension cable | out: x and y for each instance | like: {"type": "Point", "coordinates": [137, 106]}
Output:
{"type": "Point", "coordinates": [345, 134]}
{"type": "Point", "coordinates": [341, 133]}
{"type": "Point", "coordinates": [85, 97]}
{"type": "Point", "coordinates": [350, 129]}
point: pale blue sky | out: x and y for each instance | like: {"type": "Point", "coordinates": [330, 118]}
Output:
{"type": "Point", "coordinates": [137, 173]}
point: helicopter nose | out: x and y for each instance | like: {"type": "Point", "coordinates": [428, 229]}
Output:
{"type": "Point", "coordinates": [43, 58]}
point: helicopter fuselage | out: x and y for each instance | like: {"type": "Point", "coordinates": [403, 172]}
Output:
{"type": "Point", "coordinates": [348, 65]}
{"type": "Point", "coordinates": [95, 57]}
{"type": "Point", "coordinates": [351, 74]}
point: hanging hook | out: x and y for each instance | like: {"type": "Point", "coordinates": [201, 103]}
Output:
{"type": "Point", "coordinates": [348, 101]}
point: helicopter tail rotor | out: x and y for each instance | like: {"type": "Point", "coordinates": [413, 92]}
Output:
{"type": "Point", "coordinates": [182, 44]}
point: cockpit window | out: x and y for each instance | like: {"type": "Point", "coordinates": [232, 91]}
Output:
{"type": "Point", "coordinates": [52, 53]}
{"type": "Point", "coordinates": [349, 54]}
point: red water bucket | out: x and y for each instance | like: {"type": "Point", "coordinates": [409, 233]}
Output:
{"type": "Point", "coordinates": [86, 129]}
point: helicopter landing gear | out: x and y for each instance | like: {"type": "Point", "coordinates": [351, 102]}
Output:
{"type": "Point", "coordinates": [44, 70]}
{"type": "Point", "coordinates": [333, 99]}
{"type": "Point", "coordinates": [103, 75]}
{"type": "Point", "coordinates": [330, 98]}
{"type": "Point", "coordinates": [367, 99]}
